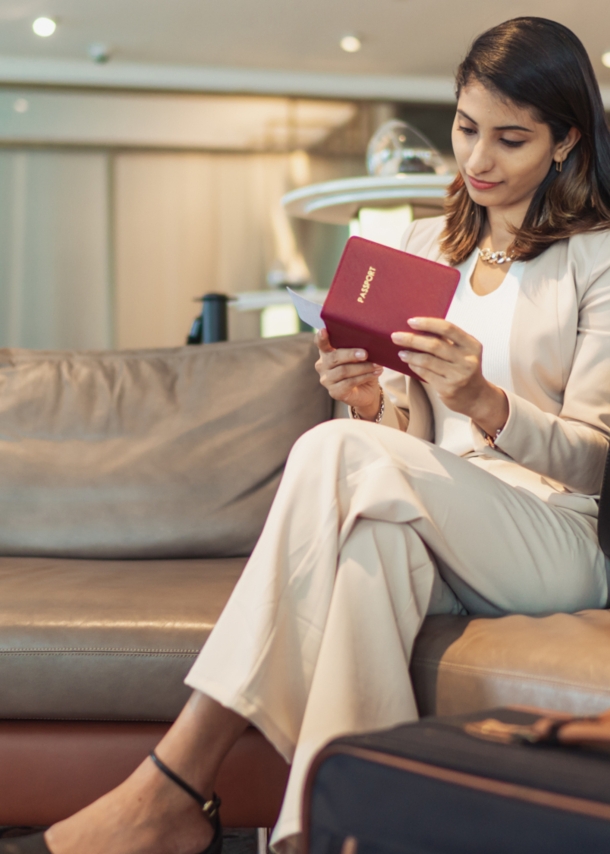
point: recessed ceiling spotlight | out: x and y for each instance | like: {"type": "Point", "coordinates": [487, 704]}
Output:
{"type": "Point", "coordinates": [20, 105]}
{"type": "Point", "coordinates": [44, 27]}
{"type": "Point", "coordinates": [606, 58]}
{"type": "Point", "coordinates": [350, 44]}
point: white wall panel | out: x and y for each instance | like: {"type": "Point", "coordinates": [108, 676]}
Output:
{"type": "Point", "coordinates": [187, 224]}
{"type": "Point", "coordinates": [55, 289]}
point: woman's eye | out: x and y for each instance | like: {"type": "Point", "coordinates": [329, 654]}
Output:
{"type": "Point", "coordinates": [513, 143]}
{"type": "Point", "coordinates": [465, 130]}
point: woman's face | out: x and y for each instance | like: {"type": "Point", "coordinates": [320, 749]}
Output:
{"type": "Point", "coordinates": [502, 152]}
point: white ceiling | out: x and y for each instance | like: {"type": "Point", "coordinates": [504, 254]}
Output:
{"type": "Point", "coordinates": [400, 37]}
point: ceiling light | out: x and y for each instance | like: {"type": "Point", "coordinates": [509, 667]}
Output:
{"type": "Point", "coordinates": [44, 27]}
{"type": "Point", "coordinates": [606, 58]}
{"type": "Point", "coordinates": [350, 44]}
{"type": "Point", "coordinates": [21, 105]}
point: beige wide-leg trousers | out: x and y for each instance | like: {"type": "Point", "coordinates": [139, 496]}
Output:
{"type": "Point", "coordinates": [370, 530]}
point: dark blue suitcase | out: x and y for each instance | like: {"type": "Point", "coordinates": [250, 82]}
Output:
{"type": "Point", "coordinates": [440, 786]}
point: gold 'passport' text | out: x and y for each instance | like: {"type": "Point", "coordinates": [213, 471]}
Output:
{"type": "Point", "coordinates": [366, 285]}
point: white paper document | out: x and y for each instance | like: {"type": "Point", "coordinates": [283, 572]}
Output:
{"type": "Point", "coordinates": [308, 311]}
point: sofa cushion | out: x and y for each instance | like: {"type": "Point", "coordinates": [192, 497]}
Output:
{"type": "Point", "coordinates": [464, 664]}
{"type": "Point", "coordinates": [151, 453]}
{"type": "Point", "coordinates": [105, 640]}
{"type": "Point", "coordinates": [113, 640]}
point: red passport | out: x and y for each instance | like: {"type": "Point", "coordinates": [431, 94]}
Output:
{"type": "Point", "coordinates": [376, 290]}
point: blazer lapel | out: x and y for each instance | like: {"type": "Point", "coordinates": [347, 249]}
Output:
{"type": "Point", "coordinates": [545, 305]}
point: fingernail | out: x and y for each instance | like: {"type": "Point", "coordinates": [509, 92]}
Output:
{"type": "Point", "coordinates": [404, 355]}
{"type": "Point", "coordinates": [414, 321]}
{"type": "Point", "coordinates": [360, 354]}
{"type": "Point", "coordinates": [378, 371]}
{"type": "Point", "coordinates": [396, 336]}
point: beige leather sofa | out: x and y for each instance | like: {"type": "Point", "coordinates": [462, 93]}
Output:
{"type": "Point", "coordinates": [132, 487]}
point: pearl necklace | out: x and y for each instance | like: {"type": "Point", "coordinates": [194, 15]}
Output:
{"type": "Point", "coordinates": [490, 257]}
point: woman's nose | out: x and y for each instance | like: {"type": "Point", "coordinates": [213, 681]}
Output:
{"type": "Point", "coordinates": [480, 160]}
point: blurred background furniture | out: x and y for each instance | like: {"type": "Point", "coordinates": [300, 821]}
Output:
{"type": "Point", "coordinates": [378, 208]}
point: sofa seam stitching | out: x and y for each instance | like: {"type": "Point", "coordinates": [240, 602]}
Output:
{"type": "Point", "coordinates": [92, 650]}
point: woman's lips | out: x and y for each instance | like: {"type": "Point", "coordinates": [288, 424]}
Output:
{"type": "Point", "coordinates": [483, 185]}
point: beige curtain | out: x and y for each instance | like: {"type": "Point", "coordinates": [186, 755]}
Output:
{"type": "Point", "coordinates": [54, 260]}
{"type": "Point", "coordinates": [187, 224]}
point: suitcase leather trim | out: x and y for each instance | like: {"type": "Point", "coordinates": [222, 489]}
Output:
{"type": "Point", "coordinates": [582, 806]}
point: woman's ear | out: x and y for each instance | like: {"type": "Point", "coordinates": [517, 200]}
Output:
{"type": "Point", "coordinates": [563, 148]}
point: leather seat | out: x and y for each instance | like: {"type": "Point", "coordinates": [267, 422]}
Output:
{"type": "Point", "coordinates": [113, 641]}
{"type": "Point", "coordinates": [560, 662]}
{"type": "Point", "coordinates": [105, 640]}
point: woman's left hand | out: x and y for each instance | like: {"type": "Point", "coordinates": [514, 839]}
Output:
{"type": "Point", "coordinates": [450, 361]}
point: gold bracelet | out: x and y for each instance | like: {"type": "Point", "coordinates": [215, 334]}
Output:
{"type": "Point", "coordinates": [379, 415]}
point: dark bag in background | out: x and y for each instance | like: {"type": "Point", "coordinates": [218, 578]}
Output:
{"type": "Point", "coordinates": [470, 784]}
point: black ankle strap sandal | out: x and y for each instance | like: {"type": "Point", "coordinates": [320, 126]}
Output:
{"type": "Point", "coordinates": [209, 808]}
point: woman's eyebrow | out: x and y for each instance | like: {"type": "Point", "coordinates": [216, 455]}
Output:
{"type": "Point", "coordinates": [501, 127]}
{"type": "Point", "coordinates": [465, 115]}
{"type": "Point", "coordinates": [514, 127]}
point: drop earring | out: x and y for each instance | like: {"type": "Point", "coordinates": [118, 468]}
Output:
{"type": "Point", "coordinates": [559, 165]}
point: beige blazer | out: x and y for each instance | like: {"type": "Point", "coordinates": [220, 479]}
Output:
{"type": "Point", "coordinates": [559, 421]}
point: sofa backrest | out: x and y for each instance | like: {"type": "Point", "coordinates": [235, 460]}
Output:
{"type": "Point", "coordinates": [149, 453]}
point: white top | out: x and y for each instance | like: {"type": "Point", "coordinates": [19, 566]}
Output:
{"type": "Point", "coordinates": [489, 319]}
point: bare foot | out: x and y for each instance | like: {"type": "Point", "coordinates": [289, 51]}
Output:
{"type": "Point", "coordinates": [147, 814]}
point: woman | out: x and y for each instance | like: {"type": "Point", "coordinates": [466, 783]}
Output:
{"type": "Point", "coordinates": [373, 526]}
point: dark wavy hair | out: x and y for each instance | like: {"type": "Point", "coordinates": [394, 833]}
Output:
{"type": "Point", "coordinates": [542, 65]}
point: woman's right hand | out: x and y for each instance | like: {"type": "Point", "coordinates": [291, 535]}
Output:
{"type": "Point", "coordinates": [348, 376]}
